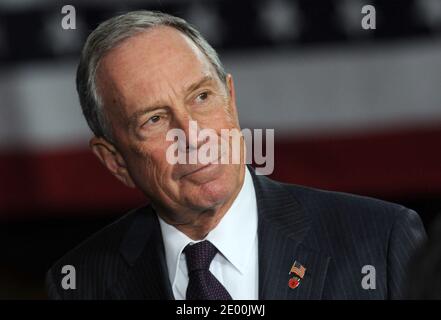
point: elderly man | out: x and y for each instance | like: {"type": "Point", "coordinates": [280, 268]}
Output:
{"type": "Point", "coordinates": [213, 230]}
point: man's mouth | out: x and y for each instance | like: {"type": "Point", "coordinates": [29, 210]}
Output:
{"type": "Point", "coordinates": [200, 168]}
{"type": "Point", "coordinates": [189, 170]}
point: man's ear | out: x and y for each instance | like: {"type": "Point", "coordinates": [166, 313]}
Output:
{"type": "Point", "coordinates": [232, 94]}
{"type": "Point", "coordinates": [111, 159]}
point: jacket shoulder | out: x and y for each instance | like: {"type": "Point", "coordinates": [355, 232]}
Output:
{"type": "Point", "coordinates": [87, 259]}
{"type": "Point", "coordinates": [353, 223]}
{"type": "Point", "coordinates": [332, 207]}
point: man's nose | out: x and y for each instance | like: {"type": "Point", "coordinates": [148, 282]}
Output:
{"type": "Point", "coordinates": [191, 130]}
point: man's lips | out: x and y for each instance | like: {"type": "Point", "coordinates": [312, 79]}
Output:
{"type": "Point", "coordinates": [196, 170]}
{"type": "Point", "coordinates": [189, 169]}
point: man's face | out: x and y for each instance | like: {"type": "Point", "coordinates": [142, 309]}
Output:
{"type": "Point", "coordinates": [154, 82]}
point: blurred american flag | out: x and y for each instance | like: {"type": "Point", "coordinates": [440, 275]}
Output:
{"type": "Point", "coordinates": [353, 110]}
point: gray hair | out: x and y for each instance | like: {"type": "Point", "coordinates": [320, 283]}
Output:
{"type": "Point", "coordinates": [107, 36]}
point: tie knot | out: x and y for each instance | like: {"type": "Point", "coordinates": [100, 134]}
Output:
{"type": "Point", "coordinates": [199, 255]}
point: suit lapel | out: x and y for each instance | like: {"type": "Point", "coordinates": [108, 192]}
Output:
{"type": "Point", "coordinates": [143, 250]}
{"type": "Point", "coordinates": [282, 227]}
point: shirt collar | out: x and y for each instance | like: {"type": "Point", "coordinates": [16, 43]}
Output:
{"type": "Point", "coordinates": [234, 236]}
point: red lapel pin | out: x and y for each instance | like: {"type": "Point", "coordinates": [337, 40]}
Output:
{"type": "Point", "coordinates": [297, 273]}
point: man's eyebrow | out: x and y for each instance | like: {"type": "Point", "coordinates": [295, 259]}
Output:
{"type": "Point", "coordinates": [133, 117]}
{"type": "Point", "coordinates": [199, 83]}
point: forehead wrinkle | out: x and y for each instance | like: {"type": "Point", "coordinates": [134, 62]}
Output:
{"type": "Point", "coordinates": [162, 87]}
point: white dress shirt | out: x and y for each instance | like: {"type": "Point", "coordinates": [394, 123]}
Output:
{"type": "Point", "coordinates": [236, 263]}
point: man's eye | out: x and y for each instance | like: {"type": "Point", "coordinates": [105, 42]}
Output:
{"type": "Point", "coordinates": [153, 119]}
{"type": "Point", "coordinates": [202, 97]}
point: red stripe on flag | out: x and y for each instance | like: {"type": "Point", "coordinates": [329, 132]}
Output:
{"type": "Point", "coordinates": [395, 164]}
{"type": "Point", "coordinates": [64, 181]}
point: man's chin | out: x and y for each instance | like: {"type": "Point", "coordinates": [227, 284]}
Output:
{"type": "Point", "coordinates": [209, 193]}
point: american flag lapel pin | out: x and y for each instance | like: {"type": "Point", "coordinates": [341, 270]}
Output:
{"type": "Point", "coordinates": [297, 273]}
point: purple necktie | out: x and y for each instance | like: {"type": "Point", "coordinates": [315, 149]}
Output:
{"type": "Point", "coordinates": [202, 284]}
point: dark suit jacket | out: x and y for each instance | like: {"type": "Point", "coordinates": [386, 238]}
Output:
{"type": "Point", "coordinates": [332, 234]}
